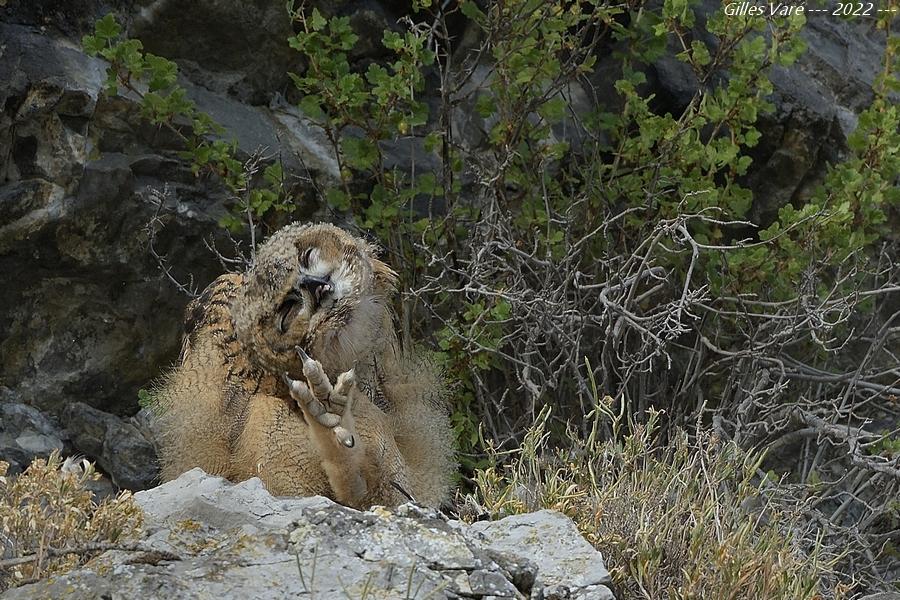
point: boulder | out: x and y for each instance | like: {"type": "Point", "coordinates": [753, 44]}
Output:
{"type": "Point", "coordinates": [118, 447]}
{"type": "Point", "coordinates": [237, 541]}
{"type": "Point", "coordinates": [89, 317]}
{"type": "Point", "coordinates": [562, 557]}
{"type": "Point", "coordinates": [25, 434]}
{"type": "Point", "coordinates": [228, 46]}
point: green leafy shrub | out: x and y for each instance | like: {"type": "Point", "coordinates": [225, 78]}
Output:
{"type": "Point", "coordinates": [164, 103]}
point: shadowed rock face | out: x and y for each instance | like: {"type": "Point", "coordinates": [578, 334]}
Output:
{"type": "Point", "coordinates": [87, 315]}
{"type": "Point", "coordinates": [84, 314]}
{"type": "Point", "coordinates": [237, 541]}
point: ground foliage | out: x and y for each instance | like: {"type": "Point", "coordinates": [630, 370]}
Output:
{"type": "Point", "coordinates": [686, 518]}
{"type": "Point", "coordinates": [50, 521]}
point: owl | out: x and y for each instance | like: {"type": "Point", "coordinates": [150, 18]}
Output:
{"type": "Point", "coordinates": [292, 372]}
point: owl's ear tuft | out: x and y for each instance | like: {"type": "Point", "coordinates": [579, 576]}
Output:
{"type": "Point", "coordinates": [385, 277]}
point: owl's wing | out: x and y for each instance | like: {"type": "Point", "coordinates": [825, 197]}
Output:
{"type": "Point", "coordinates": [209, 316]}
{"type": "Point", "coordinates": [195, 426]}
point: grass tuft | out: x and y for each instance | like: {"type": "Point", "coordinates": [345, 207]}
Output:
{"type": "Point", "coordinates": [684, 518]}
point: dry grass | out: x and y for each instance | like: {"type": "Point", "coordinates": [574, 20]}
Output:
{"type": "Point", "coordinates": [680, 520]}
{"type": "Point", "coordinates": [47, 508]}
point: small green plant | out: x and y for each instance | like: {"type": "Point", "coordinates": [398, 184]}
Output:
{"type": "Point", "coordinates": [848, 214]}
{"type": "Point", "coordinates": [145, 398]}
{"type": "Point", "coordinates": [153, 79]}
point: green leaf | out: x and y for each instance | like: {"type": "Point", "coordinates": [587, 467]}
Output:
{"type": "Point", "coordinates": [317, 22]}
{"type": "Point", "coordinates": [311, 107]}
{"type": "Point", "coordinates": [392, 40]}
{"type": "Point", "coordinates": [700, 53]}
{"type": "Point", "coordinates": [162, 72]}
{"type": "Point", "coordinates": [427, 184]}
{"type": "Point", "coordinates": [274, 174]}
{"type": "Point", "coordinates": [485, 105]}
{"type": "Point", "coordinates": [107, 28]}
{"type": "Point", "coordinates": [501, 310]}
{"type": "Point", "coordinates": [472, 12]}
{"type": "Point", "coordinates": [360, 153]}
{"type": "Point", "coordinates": [92, 45]}
{"type": "Point", "coordinates": [433, 141]}
{"type": "Point", "coordinates": [337, 199]}
{"type": "Point", "coordinates": [231, 223]}
{"type": "Point", "coordinates": [553, 110]}
{"type": "Point", "coordinates": [145, 398]}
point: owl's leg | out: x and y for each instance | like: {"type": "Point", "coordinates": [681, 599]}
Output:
{"type": "Point", "coordinates": [329, 415]}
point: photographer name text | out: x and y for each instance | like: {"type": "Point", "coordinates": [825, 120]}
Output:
{"type": "Point", "coordinates": [786, 9]}
{"type": "Point", "coordinates": [772, 9]}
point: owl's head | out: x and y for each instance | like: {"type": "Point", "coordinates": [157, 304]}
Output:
{"type": "Point", "coordinates": [317, 287]}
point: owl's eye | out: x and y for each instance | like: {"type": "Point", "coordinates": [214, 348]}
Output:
{"type": "Point", "coordinates": [289, 310]}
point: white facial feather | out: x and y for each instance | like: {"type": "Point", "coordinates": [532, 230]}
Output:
{"type": "Point", "coordinates": [342, 276]}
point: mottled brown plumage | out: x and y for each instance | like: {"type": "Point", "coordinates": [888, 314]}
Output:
{"type": "Point", "coordinates": [359, 421]}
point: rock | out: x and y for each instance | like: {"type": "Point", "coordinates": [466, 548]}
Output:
{"type": "Point", "coordinates": [72, 18]}
{"type": "Point", "coordinates": [237, 541]}
{"type": "Point", "coordinates": [25, 434]}
{"type": "Point", "coordinates": [102, 488]}
{"type": "Point", "coordinates": [91, 317]}
{"type": "Point", "coordinates": [229, 46]}
{"type": "Point", "coordinates": [118, 447]}
{"type": "Point", "coordinates": [491, 583]}
{"type": "Point", "coordinates": [305, 141]}
{"type": "Point", "coordinates": [564, 560]}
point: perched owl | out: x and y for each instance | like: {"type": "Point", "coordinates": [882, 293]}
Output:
{"type": "Point", "coordinates": [292, 372]}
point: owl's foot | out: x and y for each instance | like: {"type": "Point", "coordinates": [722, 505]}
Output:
{"type": "Point", "coordinates": [328, 410]}
{"type": "Point", "coordinates": [331, 406]}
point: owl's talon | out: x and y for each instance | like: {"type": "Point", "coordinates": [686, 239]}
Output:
{"type": "Point", "coordinates": [344, 382]}
{"type": "Point", "coordinates": [323, 404]}
{"type": "Point", "coordinates": [344, 437]}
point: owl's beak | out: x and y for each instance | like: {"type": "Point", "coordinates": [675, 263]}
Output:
{"type": "Point", "coordinates": [317, 286]}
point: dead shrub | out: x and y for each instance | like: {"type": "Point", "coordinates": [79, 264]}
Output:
{"type": "Point", "coordinates": [50, 523]}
